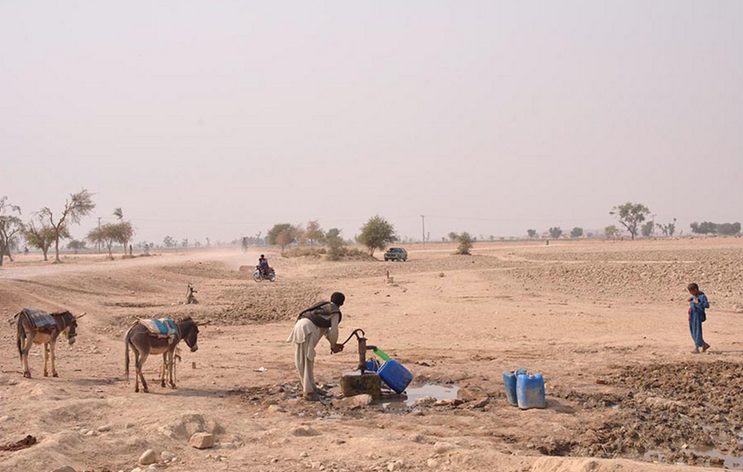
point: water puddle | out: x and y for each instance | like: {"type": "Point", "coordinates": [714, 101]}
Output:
{"type": "Point", "coordinates": [729, 461]}
{"type": "Point", "coordinates": [437, 392]}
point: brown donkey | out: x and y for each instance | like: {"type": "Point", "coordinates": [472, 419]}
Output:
{"type": "Point", "coordinates": [143, 343]}
{"type": "Point", "coordinates": [38, 327]}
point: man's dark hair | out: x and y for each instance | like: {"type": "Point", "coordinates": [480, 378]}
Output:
{"type": "Point", "coordinates": [338, 298]}
{"type": "Point", "coordinates": [693, 286]}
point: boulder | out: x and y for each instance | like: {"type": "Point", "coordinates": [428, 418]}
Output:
{"type": "Point", "coordinates": [201, 440]}
{"type": "Point", "coordinates": [148, 457]}
{"type": "Point", "coordinates": [65, 468]}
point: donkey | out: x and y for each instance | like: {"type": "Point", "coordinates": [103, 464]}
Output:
{"type": "Point", "coordinates": [144, 343]}
{"type": "Point", "coordinates": [27, 334]}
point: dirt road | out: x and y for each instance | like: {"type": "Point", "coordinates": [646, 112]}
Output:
{"type": "Point", "coordinates": [604, 322]}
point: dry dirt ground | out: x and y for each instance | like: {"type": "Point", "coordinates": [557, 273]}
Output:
{"type": "Point", "coordinates": [605, 322]}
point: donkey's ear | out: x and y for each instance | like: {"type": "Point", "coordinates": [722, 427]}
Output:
{"type": "Point", "coordinates": [80, 316]}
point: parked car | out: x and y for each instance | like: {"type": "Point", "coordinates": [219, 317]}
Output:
{"type": "Point", "coordinates": [396, 254]}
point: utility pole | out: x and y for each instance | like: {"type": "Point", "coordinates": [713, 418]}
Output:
{"type": "Point", "coordinates": [423, 227]}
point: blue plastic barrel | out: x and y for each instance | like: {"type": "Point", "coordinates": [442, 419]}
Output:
{"type": "Point", "coordinates": [395, 375]}
{"type": "Point", "coordinates": [530, 391]}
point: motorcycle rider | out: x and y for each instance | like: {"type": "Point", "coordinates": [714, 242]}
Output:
{"type": "Point", "coordinates": [263, 265]}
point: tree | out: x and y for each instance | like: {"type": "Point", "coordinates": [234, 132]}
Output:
{"type": "Point", "coordinates": [184, 242]}
{"type": "Point", "coordinates": [453, 236]}
{"type": "Point", "coordinates": [78, 205]}
{"type": "Point", "coordinates": [555, 232]}
{"type": "Point", "coordinates": [10, 226]}
{"type": "Point", "coordinates": [728, 229]}
{"type": "Point", "coordinates": [611, 232]}
{"type": "Point", "coordinates": [668, 229]}
{"type": "Point", "coordinates": [707, 227]}
{"type": "Point", "coordinates": [335, 244]}
{"type": "Point", "coordinates": [465, 244]}
{"type": "Point", "coordinates": [282, 235]}
{"type": "Point", "coordinates": [288, 231]}
{"type": "Point", "coordinates": [314, 233]}
{"type": "Point", "coordinates": [377, 233]}
{"type": "Point", "coordinates": [41, 236]}
{"type": "Point", "coordinates": [576, 232]}
{"type": "Point", "coordinates": [125, 229]}
{"type": "Point", "coordinates": [168, 241]}
{"type": "Point", "coordinates": [631, 215]}
{"type": "Point", "coordinates": [647, 229]}
{"type": "Point", "coordinates": [532, 233]}
{"type": "Point", "coordinates": [76, 245]}
{"type": "Point", "coordinates": [111, 233]}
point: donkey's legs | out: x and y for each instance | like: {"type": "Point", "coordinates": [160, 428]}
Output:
{"type": "Point", "coordinates": [164, 369]}
{"type": "Point", "coordinates": [171, 368]}
{"type": "Point", "coordinates": [136, 369]}
{"type": "Point", "coordinates": [140, 363]}
{"type": "Point", "coordinates": [27, 343]}
{"type": "Point", "coordinates": [45, 346]}
{"type": "Point", "coordinates": [52, 345]}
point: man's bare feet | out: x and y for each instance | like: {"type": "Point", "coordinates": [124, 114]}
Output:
{"type": "Point", "coordinates": [695, 351]}
{"type": "Point", "coordinates": [311, 397]}
{"type": "Point", "coordinates": [705, 347]}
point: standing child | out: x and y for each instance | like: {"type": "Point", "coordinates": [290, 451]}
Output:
{"type": "Point", "coordinates": [698, 303]}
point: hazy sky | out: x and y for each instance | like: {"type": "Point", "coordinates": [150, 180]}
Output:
{"type": "Point", "coordinates": [219, 118]}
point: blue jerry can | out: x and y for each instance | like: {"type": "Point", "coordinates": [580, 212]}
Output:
{"type": "Point", "coordinates": [372, 365]}
{"type": "Point", "coordinates": [530, 391]}
{"type": "Point", "coordinates": [509, 382]}
{"type": "Point", "coordinates": [395, 375]}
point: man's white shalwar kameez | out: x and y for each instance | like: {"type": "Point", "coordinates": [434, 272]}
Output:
{"type": "Point", "coordinates": [305, 337]}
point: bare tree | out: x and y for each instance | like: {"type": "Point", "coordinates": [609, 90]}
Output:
{"type": "Point", "coordinates": [78, 205]}
{"type": "Point", "coordinates": [10, 226]}
{"type": "Point", "coordinates": [314, 233]}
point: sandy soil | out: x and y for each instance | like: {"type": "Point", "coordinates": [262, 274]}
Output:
{"type": "Point", "coordinates": [605, 323]}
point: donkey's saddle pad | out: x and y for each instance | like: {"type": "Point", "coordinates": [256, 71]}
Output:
{"type": "Point", "coordinates": [41, 320]}
{"type": "Point", "coordinates": [163, 327]}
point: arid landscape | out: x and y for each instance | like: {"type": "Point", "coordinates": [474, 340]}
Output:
{"type": "Point", "coordinates": [604, 321]}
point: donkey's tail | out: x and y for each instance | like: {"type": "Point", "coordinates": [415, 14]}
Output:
{"type": "Point", "coordinates": [126, 353]}
{"type": "Point", "coordinates": [20, 336]}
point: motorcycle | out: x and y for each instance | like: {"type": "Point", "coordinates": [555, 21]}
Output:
{"type": "Point", "coordinates": [259, 276]}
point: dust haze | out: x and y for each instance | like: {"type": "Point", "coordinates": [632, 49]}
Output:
{"type": "Point", "coordinates": [206, 120]}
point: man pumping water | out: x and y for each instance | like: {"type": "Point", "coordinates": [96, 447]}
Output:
{"type": "Point", "coordinates": [321, 319]}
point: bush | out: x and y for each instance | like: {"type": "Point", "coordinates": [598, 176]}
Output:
{"type": "Point", "coordinates": [465, 244]}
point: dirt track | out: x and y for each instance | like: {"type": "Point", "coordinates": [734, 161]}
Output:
{"type": "Point", "coordinates": [604, 322]}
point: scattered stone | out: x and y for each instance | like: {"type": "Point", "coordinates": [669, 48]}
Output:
{"type": "Point", "coordinates": [305, 431]}
{"type": "Point", "coordinates": [304, 454]}
{"type": "Point", "coordinates": [66, 468]}
{"type": "Point", "coordinates": [136, 469]}
{"type": "Point", "coordinates": [104, 429]}
{"type": "Point", "coordinates": [148, 457]}
{"type": "Point", "coordinates": [432, 463]}
{"type": "Point", "coordinates": [481, 403]}
{"type": "Point", "coordinates": [425, 401]}
{"type": "Point", "coordinates": [354, 402]}
{"type": "Point", "coordinates": [275, 409]}
{"type": "Point", "coordinates": [201, 440]}
{"type": "Point", "coordinates": [167, 456]}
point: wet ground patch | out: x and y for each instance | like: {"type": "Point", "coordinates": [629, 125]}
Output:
{"type": "Point", "coordinates": [676, 413]}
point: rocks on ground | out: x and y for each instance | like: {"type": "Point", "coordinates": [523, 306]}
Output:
{"type": "Point", "coordinates": [201, 440]}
